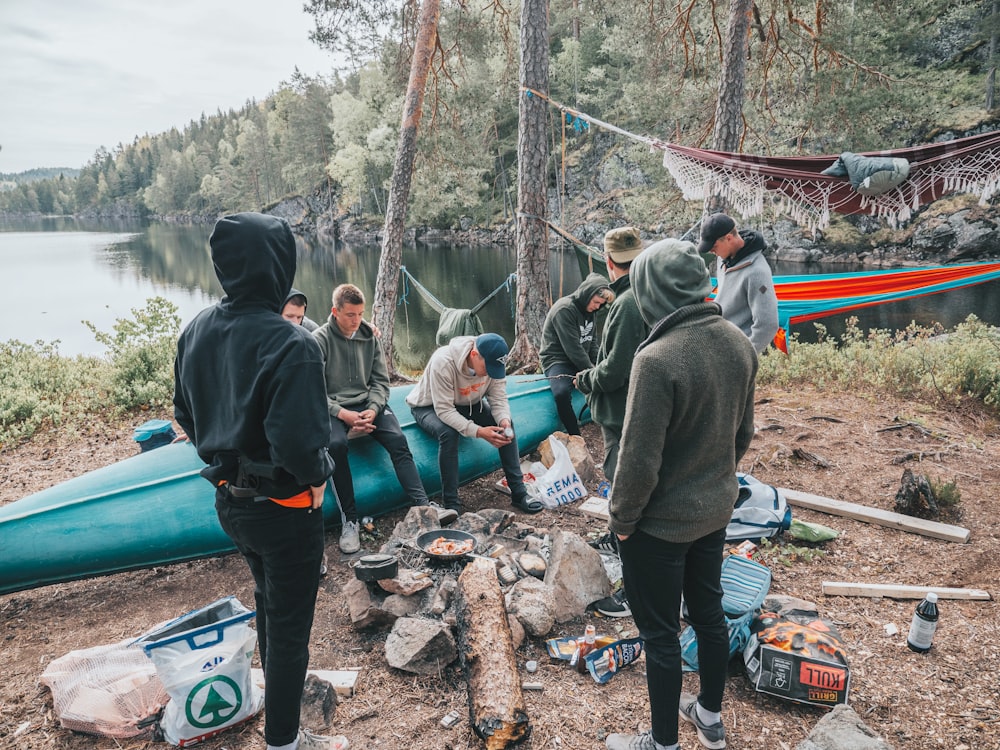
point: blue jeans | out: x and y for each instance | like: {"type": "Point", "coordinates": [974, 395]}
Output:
{"type": "Point", "coordinates": [562, 391]}
{"type": "Point", "coordinates": [390, 436]}
{"type": "Point", "coordinates": [655, 573]}
{"type": "Point", "coordinates": [284, 549]}
{"type": "Point", "coordinates": [448, 437]}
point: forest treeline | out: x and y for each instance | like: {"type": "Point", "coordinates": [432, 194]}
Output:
{"type": "Point", "coordinates": [821, 77]}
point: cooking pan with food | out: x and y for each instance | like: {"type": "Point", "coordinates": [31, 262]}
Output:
{"type": "Point", "coordinates": [446, 545]}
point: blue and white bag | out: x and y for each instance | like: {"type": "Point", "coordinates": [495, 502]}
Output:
{"type": "Point", "coordinates": [761, 511]}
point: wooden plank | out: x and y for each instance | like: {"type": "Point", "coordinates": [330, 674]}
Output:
{"type": "Point", "coordinates": [595, 506]}
{"type": "Point", "coordinates": [899, 591]}
{"type": "Point", "coordinates": [343, 681]}
{"type": "Point", "coordinates": [877, 516]}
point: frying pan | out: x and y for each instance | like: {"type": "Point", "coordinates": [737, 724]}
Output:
{"type": "Point", "coordinates": [425, 540]}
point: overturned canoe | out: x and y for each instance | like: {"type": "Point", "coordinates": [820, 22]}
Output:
{"type": "Point", "coordinates": [156, 509]}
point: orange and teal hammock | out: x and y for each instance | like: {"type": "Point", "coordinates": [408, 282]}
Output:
{"type": "Point", "coordinates": [812, 296]}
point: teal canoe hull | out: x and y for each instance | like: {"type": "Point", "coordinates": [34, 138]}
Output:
{"type": "Point", "coordinates": [156, 509]}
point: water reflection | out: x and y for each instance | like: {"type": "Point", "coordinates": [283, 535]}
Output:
{"type": "Point", "coordinates": [74, 273]}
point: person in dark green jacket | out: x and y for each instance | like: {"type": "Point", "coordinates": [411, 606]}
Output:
{"type": "Point", "coordinates": [570, 344]}
{"type": "Point", "coordinates": [606, 383]}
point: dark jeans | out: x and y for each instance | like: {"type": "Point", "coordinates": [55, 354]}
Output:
{"type": "Point", "coordinates": [655, 573]}
{"type": "Point", "coordinates": [448, 438]}
{"type": "Point", "coordinates": [390, 436]}
{"type": "Point", "coordinates": [562, 391]}
{"type": "Point", "coordinates": [612, 438]}
{"type": "Point", "coordinates": [284, 549]}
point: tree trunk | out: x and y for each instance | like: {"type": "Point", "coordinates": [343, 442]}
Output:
{"type": "Point", "coordinates": [991, 77]}
{"type": "Point", "coordinates": [532, 158]}
{"type": "Point", "coordinates": [728, 129]}
{"type": "Point", "coordinates": [486, 647]}
{"type": "Point", "coordinates": [387, 281]}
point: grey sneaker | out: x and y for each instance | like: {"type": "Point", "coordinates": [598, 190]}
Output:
{"type": "Point", "coordinates": [323, 566]}
{"type": "Point", "coordinates": [712, 736]}
{"type": "Point", "coordinates": [310, 741]}
{"type": "Point", "coordinates": [445, 515]}
{"type": "Point", "coordinates": [350, 538]}
{"type": "Point", "coordinates": [642, 741]}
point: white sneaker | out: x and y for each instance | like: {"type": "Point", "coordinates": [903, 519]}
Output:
{"type": "Point", "coordinates": [310, 741]}
{"type": "Point", "coordinates": [350, 538]}
{"type": "Point", "coordinates": [445, 515]}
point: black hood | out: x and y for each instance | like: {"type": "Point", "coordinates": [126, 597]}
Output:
{"type": "Point", "coordinates": [254, 257]}
{"type": "Point", "coordinates": [291, 293]}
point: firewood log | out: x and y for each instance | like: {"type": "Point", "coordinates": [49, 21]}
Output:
{"type": "Point", "coordinates": [486, 649]}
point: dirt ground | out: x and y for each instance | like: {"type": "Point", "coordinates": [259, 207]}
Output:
{"type": "Point", "coordinates": [852, 447]}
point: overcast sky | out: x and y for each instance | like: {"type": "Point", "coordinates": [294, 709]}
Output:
{"type": "Point", "coordinates": [76, 75]}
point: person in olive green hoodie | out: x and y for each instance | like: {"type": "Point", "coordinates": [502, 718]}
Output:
{"type": "Point", "coordinates": [606, 383]}
{"type": "Point", "coordinates": [357, 395]}
{"type": "Point", "coordinates": [688, 423]}
{"type": "Point", "coordinates": [569, 343]}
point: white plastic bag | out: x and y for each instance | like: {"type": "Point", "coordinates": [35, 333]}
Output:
{"type": "Point", "coordinates": [560, 484]}
{"type": "Point", "coordinates": [204, 661]}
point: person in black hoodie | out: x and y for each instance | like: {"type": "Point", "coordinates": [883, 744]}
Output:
{"type": "Point", "coordinates": [250, 394]}
{"type": "Point", "coordinates": [294, 310]}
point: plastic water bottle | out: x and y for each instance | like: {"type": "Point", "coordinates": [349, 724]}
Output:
{"type": "Point", "coordinates": [923, 625]}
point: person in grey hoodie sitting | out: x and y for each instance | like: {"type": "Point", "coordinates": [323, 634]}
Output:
{"type": "Point", "coordinates": [463, 394]}
{"type": "Point", "coordinates": [745, 287]}
{"type": "Point", "coordinates": [688, 422]}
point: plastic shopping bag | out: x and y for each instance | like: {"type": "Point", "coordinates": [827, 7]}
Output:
{"type": "Point", "coordinates": [560, 484]}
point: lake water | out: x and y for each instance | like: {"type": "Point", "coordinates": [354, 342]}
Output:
{"type": "Point", "coordinates": [58, 273]}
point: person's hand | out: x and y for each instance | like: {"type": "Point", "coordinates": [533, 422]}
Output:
{"type": "Point", "coordinates": [493, 435]}
{"type": "Point", "coordinates": [365, 421]}
{"type": "Point", "coordinates": [317, 496]}
{"type": "Point", "coordinates": [357, 420]}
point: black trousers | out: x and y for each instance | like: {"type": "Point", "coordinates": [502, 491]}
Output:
{"type": "Point", "coordinates": [284, 549]}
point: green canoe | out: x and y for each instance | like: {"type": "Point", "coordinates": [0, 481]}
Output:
{"type": "Point", "coordinates": [155, 508]}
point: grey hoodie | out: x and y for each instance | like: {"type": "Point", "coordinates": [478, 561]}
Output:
{"type": "Point", "coordinates": [448, 384]}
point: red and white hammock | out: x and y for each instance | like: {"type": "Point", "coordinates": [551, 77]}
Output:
{"type": "Point", "coordinates": [794, 185]}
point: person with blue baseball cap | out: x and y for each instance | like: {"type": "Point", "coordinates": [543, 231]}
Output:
{"type": "Point", "coordinates": [463, 393]}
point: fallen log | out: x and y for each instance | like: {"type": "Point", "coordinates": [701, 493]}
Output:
{"type": "Point", "coordinates": [486, 648]}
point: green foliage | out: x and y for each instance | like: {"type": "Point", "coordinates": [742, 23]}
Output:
{"type": "Point", "coordinates": [780, 552]}
{"type": "Point", "coordinates": [918, 362]}
{"type": "Point", "coordinates": [37, 386]}
{"type": "Point", "coordinates": [946, 493]}
{"type": "Point", "coordinates": [821, 78]}
{"type": "Point", "coordinates": [142, 354]}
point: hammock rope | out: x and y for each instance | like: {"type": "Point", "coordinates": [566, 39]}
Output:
{"type": "Point", "coordinates": [437, 305]}
{"type": "Point", "coordinates": [795, 185]}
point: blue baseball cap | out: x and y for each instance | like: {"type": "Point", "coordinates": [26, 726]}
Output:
{"type": "Point", "coordinates": [493, 349]}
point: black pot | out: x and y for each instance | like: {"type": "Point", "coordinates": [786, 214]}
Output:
{"type": "Point", "coordinates": [376, 567]}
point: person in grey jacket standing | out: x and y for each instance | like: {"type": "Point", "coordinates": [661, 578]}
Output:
{"type": "Point", "coordinates": [745, 286]}
{"type": "Point", "coordinates": [688, 422]}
